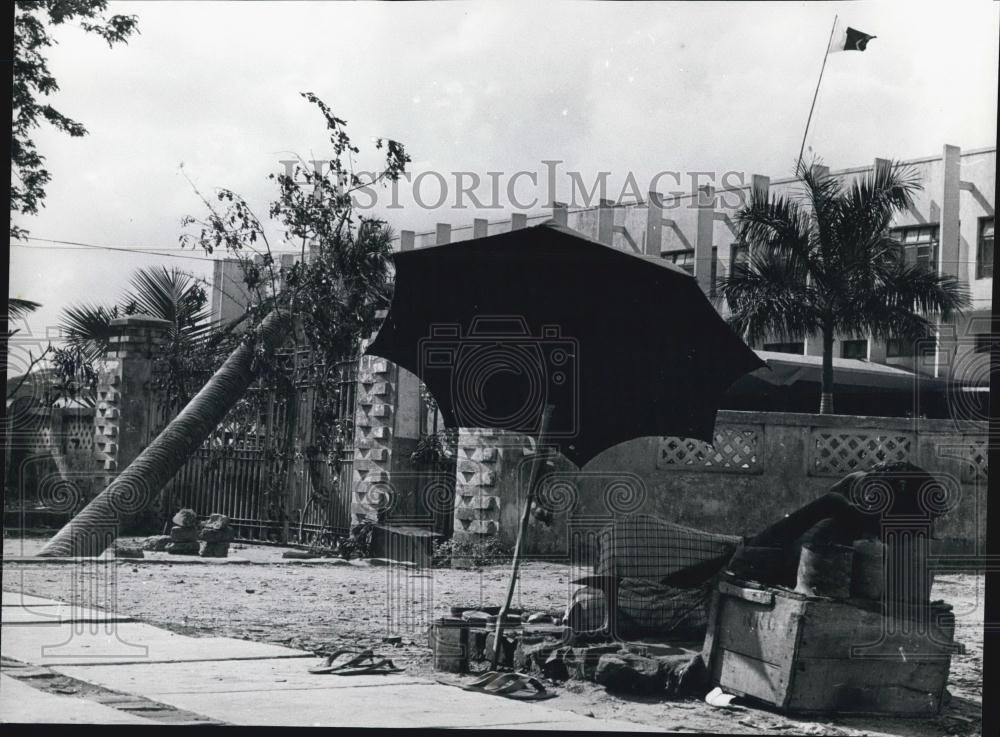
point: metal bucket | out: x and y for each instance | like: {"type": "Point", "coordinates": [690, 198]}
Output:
{"type": "Point", "coordinates": [449, 640]}
{"type": "Point", "coordinates": [825, 570]}
{"type": "Point", "coordinates": [868, 576]}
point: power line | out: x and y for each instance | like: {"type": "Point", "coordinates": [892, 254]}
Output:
{"type": "Point", "coordinates": [81, 246]}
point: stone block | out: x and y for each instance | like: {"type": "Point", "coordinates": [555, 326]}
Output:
{"type": "Point", "coordinates": [628, 673]}
{"type": "Point", "coordinates": [157, 543]}
{"type": "Point", "coordinates": [224, 535]}
{"type": "Point", "coordinates": [183, 534]}
{"type": "Point", "coordinates": [128, 551]}
{"type": "Point", "coordinates": [186, 518]}
{"type": "Point", "coordinates": [185, 548]}
{"type": "Point", "coordinates": [208, 549]}
{"type": "Point", "coordinates": [581, 662]}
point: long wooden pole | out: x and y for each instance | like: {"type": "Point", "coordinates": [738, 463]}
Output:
{"type": "Point", "coordinates": [536, 466]}
{"type": "Point", "coordinates": [812, 107]}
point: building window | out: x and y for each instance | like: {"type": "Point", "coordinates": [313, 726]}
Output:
{"type": "Point", "coordinates": [984, 250]}
{"type": "Point", "coordinates": [739, 259]}
{"type": "Point", "coordinates": [898, 347]}
{"type": "Point", "coordinates": [984, 342]}
{"type": "Point", "coordinates": [854, 349]}
{"type": "Point", "coordinates": [798, 349]}
{"type": "Point", "coordinates": [919, 244]}
{"type": "Point", "coordinates": [684, 259]}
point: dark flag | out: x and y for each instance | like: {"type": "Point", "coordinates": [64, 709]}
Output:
{"type": "Point", "coordinates": [850, 39]}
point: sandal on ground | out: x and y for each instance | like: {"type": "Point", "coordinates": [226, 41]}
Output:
{"type": "Point", "coordinates": [521, 687]}
{"type": "Point", "coordinates": [382, 665]}
{"type": "Point", "coordinates": [329, 667]}
{"type": "Point", "coordinates": [480, 683]}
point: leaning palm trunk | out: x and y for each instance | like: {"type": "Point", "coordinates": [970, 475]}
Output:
{"type": "Point", "coordinates": [95, 527]}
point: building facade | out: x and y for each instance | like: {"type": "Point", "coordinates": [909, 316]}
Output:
{"type": "Point", "coordinates": [949, 228]}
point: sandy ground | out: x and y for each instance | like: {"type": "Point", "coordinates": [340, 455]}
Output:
{"type": "Point", "coordinates": [324, 607]}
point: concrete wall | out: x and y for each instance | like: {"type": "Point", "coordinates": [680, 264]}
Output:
{"type": "Point", "coordinates": [776, 463]}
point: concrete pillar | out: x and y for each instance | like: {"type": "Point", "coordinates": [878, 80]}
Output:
{"type": "Point", "coordinates": [560, 213]}
{"type": "Point", "coordinates": [406, 239]}
{"type": "Point", "coordinates": [948, 245]}
{"type": "Point", "coordinates": [760, 185]}
{"type": "Point", "coordinates": [605, 222]}
{"type": "Point", "coordinates": [126, 417]}
{"type": "Point", "coordinates": [477, 468]}
{"type": "Point", "coordinates": [654, 224]}
{"type": "Point", "coordinates": [443, 234]}
{"type": "Point", "coordinates": [374, 421]}
{"type": "Point", "coordinates": [480, 228]}
{"type": "Point", "coordinates": [518, 220]}
{"type": "Point", "coordinates": [704, 236]}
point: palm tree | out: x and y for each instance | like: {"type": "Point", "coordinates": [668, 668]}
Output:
{"type": "Point", "coordinates": [823, 261]}
{"type": "Point", "coordinates": [192, 341]}
{"type": "Point", "coordinates": [90, 531]}
{"type": "Point", "coordinates": [169, 294]}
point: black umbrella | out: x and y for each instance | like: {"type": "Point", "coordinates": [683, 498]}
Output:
{"type": "Point", "coordinates": [546, 332]}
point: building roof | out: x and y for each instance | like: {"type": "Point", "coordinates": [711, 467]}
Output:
{"type": "Point", "coordinates": [784, 369]}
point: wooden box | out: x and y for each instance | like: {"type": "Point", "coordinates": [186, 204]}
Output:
{"type": "Point", "coordinates": [815, 655]}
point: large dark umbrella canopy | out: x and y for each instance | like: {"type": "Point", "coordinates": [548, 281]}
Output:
{"type": "Point", "coordinates": [621, 346]}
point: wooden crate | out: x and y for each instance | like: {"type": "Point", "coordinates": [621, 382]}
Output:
{"type": "Point", "coordinates": [813, 655]}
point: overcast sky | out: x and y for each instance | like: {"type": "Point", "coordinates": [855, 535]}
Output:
{"type": "Point", "coordinates": [477, 87]}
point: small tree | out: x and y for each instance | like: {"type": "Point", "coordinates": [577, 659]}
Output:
{"type": "Point", "coordinates": [33, 81]}
{"type": "Point", "coordinates": [823, 261]}
{"type": "Point", "coordinates": [332, 296]}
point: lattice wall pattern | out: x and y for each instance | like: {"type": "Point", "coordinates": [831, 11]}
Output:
{"type": "Point", "coordinates": [736, 449]}
{"type": "Point", "coordinates": [79, 432]}
{"type": "Point", "coordinates": [837, 453]}
{"type": "Point", "coordinates": [978, 467]}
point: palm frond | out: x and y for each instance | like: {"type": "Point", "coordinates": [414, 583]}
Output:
{"type": "Point", "coordinates": [18, 308]}
{"type": "Point", "coordinates": [777, 225]}
{"type": "Point", "coordinates": [87, 327]}
{"type": "Point", "coordinates": [169, 294]}
{"type": "Point", "coordinates": [770, 299]}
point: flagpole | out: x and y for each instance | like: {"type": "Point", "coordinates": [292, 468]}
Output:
{"type": "Point", "coordinates": [812, 107]}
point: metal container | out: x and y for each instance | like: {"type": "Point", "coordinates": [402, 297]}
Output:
{"type": "Point", "coordinates": [868, 577]}
{"type": "Point", "coordinates": [825, 570]}
{"type": "Point", "coordinates": [449, 640]}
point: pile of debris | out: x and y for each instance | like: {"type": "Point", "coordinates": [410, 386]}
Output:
{"type": "Point", "coordinates": [215, 536]}
{"type": "Point", "coordinates": [210, 539]}
{"type": "Point", "coordinates": [817, 600]}
{"type": "Point", "coordinates": [184, 534]}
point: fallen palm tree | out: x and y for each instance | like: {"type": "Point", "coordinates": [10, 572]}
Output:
{"type": "Point", "coordinates": [95, 527]}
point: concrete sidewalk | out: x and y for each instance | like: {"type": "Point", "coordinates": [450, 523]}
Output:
{"type": "Point", "coordinates": [130, 668]}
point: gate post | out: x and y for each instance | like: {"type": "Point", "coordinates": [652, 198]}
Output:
{"type": "Point", "coordinates": [125, 417]}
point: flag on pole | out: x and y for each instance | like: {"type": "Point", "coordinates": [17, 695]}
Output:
{"type": "Point", "coordinates": [849, 39]}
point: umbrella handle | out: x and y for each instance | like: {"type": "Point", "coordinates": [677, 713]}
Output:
{"type": "Point", "coordinates": [536, 466]}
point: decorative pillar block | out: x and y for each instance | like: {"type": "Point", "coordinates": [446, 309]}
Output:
{"type": "Point", "coordinates": [477, 468]}
{"type": "Point", "coordinates": [375, 409]}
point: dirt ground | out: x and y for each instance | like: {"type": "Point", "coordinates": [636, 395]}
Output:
{"type": "Point", "coordinates": [321, 607]}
